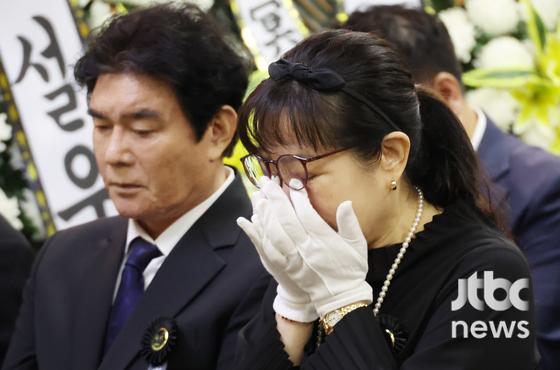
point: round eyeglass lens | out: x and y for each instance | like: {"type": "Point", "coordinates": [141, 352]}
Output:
{"type": "Point", "coordinates": [255, 168]}
{"type": "Point", "coordinates": [292, 168]}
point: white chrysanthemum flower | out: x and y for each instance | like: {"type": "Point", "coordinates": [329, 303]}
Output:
{"type": "Point", "coordinates": [461, 31]}
{"type": "Point", "coordinates": [204, 4]}
{"type": "Point", "coordinates": [504, 51]}
{"type": "Point", "coordinates": [5, 132]}
{"type": "Point", "coordinates": [9, 208]}
{"type": "Point", "coordinates": [495, 17]}
{"type": "Point", "coordinates": [30, 209]}
{"type": "Point", "coordinates": [549, 11]}
{"type": "Point", "coordinates": [83, 3]}
{"type": "Point", "coordinates": [500, 106]}
{"type": "Point", "coordinates": [536, 134]}
{"type": "Point", "coordinates": [99, 12]}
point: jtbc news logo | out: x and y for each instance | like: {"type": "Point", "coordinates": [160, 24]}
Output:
{"type": "Point", "coordinates": [509, 296]}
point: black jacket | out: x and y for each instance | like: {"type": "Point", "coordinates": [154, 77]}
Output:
{"type": "Point", "coordinates": [16, 258]}
{"type": "Point", "coordinates": [417, 309]}
{"type": "Point", "coordinates": [210, 284]}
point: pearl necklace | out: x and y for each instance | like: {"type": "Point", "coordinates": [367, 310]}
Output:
{"type": "Point", "coordinates": [402, 251]}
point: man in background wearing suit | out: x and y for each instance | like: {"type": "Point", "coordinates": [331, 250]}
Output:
{"type": "Point", "coordinates": [15, 263]}
{"type": "Point", "coordinates": [169, 282]}
{"type": "Point", "coordinates": [527, 179]}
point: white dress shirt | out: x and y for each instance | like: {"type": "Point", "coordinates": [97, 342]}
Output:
{"type": "Point", "coordinates": [479, 129]}
{"type": "Point", "coordinates": [167, 240]}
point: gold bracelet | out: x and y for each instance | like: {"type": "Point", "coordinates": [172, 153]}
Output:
{"type": "Point", "coordinates": [332, 318]}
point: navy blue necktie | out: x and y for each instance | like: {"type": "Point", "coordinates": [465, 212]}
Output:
{"type": "Point", "coordinates": [131, 286]}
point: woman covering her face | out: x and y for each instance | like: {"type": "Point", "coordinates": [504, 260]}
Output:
{"type": "Point", "coordinates": [370, 218]}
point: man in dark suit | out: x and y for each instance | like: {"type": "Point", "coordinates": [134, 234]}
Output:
{"type": "Point", "coordinates": [15, 263]}
{"type": "Point", "coordinates": [169, 282]}
{"type": "Point", "coordinates": [527, 178]}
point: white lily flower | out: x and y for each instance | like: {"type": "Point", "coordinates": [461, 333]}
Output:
{"type": "Point", "coordinates": [549, 11]}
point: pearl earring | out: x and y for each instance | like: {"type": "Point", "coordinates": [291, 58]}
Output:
{"type": "Point", "coordinates": [393, 184]}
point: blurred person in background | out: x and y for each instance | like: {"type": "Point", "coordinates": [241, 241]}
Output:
{"type": "Point", "coordinates": [16, 257]}
{"type": "Point", "coordinates": [526, 178]}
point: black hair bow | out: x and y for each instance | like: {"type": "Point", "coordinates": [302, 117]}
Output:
{"type": "Point", "coordinates": [320, 79]}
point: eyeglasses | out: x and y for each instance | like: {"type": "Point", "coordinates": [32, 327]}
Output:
{"type": "Point", "coordinates": [286, 167]}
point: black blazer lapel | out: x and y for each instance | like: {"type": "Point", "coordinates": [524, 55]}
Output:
{"type": "Point", "coordinates": [191, 265]}
{"type": "Point", "coordinates": [95, 301]}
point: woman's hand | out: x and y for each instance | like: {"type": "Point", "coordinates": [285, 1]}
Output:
{"type": "Point", "coordinates": [329, 266]}
{"type": "Point", "coordinates": [291, 301]}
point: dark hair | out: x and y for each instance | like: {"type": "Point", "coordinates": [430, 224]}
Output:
{"type": "Point", "coordinates": [177, 44]}
{"type": "Point", "coordinates": [441, 161]}
{"type": "Point", "coordinates": [420, 38]}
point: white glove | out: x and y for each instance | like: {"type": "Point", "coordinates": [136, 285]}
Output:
{"type": "Point", "coordinates": [290, 302]}
{"type": "Point", "coordinates": [332, 266]}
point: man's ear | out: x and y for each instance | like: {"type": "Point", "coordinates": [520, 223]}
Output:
{"type": "Point", "coordinates": [450, 89]}
{"type": "Point", "coordinates": [221, 131]}
{"type": "Point", "coordinates": [395, 148]}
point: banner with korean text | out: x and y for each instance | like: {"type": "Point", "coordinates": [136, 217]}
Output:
{"type": "Point", "coordinates": [39, 43]}
{"type": "Point", "coordinates": [268, 27]}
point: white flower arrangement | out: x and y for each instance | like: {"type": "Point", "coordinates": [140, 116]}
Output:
{"type": "Point", "coordinates": [9, 208]}
{"type": "Point", "coordinates": [101, 10]}
{"type": "Point", "coordinates": [549, 11]}
{"type": "Point", "coordinates": [504, 51]}
{"type": "Point", "coordinates": [205, 5]}
{"type": "Point", "coordinates": [498, 104]}
{"type": "Point", "coordinates": [514, 66]}
{"type": "Point", "coordinates": [5, 132]}
{"type": "Point", "coordinates": [536, 134]}
{"type": "Point", "coordinates": [461, 31]}
{"type": "Point", "coordinates": [494, 17]}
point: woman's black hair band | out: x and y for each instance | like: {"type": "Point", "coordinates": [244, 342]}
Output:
{"type": "Point", "coordinates": [321, 79]}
